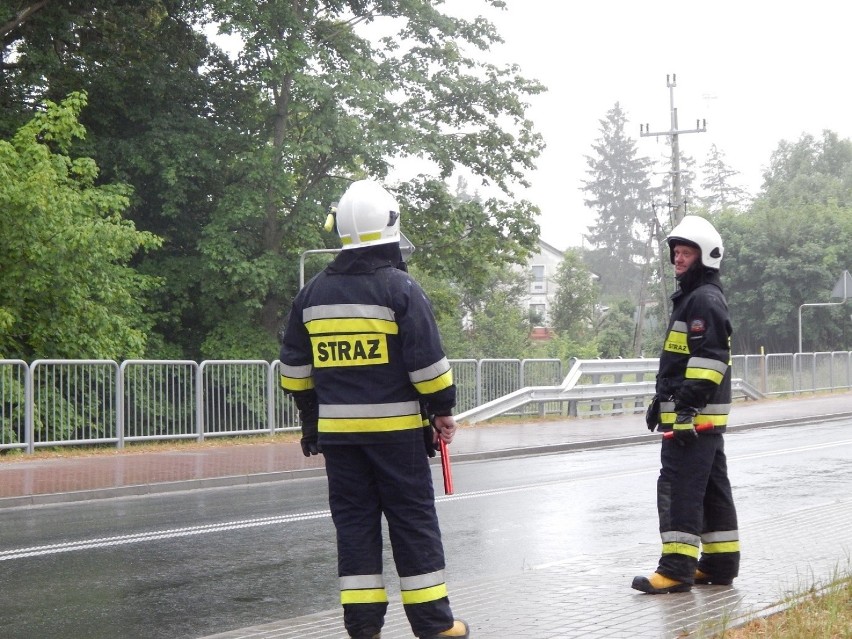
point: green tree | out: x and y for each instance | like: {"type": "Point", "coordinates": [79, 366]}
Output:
{"type": "Point", "coordinates": [791, 248]}
{"type": "Point", "coordinates": [163, 117]}
{"type": "Point", "coordinates": [777, 259]}
{"type": "Point", "coordinates": [68, 290]}
{"type": "Point", "coordinates": [619, 190]}
{"type": "Point", "coordinates": [575, 299]}
{"type": "Point", "coordinates": [810, 171]}
{"type": "Point", "coordinates": [339, 102]}
{"type": "Point", "coordinates": [234, 160]}
{"type": "Point", "coordinates": [616, 329]}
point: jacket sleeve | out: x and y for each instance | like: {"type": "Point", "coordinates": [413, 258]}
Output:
{"type": "Point", "coordinates": [427, 365]}
{"type": "Point", "coordinates": [708, 337]}
{"type": "Point", "coordinates": [296, 363]}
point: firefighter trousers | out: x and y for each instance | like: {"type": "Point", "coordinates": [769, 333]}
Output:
{"type": "Point", "coordinates": [698, 520]}
{"type": "Point", "coordinates": [394, 480]}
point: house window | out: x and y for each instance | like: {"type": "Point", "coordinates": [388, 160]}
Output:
{"type": "Point", "coordinates": [538, 283]}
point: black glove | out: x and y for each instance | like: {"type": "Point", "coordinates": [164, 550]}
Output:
{"type": "Point", "coordinates": [310, 445]}
{"type": "Point", "coordinates": [684, 426]}
{"type": "Point", "coordinates": [652, 415]}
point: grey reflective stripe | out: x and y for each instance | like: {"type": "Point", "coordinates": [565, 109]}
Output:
{"type": "Point", "coordinates": [361, 582]}
{"type": "Point", "coordinates": [677, 537]}
{"type": "Point", "coordinates": [679, 327]}
{"type": "Point", "coordinates": [430, 372]}
{"type": "Point", "coordinates": [667, 407]}
{"type": "Point", "coordinates": [422, 581]}
{"type": "Point", "coordinates": [706, 362]}
{"type": "Point", "coordinates": [296, 372]}
{"type": "Point", "coordinates": [721, 535]}
{"type": "Point", "coordinates": [716, 409]}
{"type": "Point", "coordinates": [393, 409]}
{"type": "Point", "coordinates": [336, 311]}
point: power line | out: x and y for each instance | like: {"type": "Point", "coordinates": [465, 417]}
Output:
{"type": "Point", "coordinates": [677, 203]}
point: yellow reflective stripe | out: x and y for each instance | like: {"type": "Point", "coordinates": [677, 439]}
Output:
{"type": "Point", "coordinates": [703, 373]}
{"type": "Point", "coordinates": [435, 385]}
{"type": "Point", "coordinates": [675, 548]}
{"type": "Point", "coordinates": [676, 343]}
{"type": "Point", "coordinates": [424, 595]}
{"type": "Point", "coordinates": [720, 547]}
{"type": "Point", "coordinates": [701, 418]}
{"type": "Point", "coordinates": [364, 596]}
{"type": "Point", "coordinates": [296, 383]}
{"type": "Point", "coordinates": [336, 325]}
{"type": "Point", "coordinates": [370, 424]}
{"type": "Point", "coordinates": [716, 420]}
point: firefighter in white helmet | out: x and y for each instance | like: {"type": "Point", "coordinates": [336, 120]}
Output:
{"type": "Point", "coordinates": [698, 520]}
{"type": "Point", "coordinates": [361, 355]}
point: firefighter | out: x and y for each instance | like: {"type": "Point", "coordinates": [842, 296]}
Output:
{"type": "Point", "coordinates": [361, 354]}
{"type": "Point", "coordinates": [698, 520]}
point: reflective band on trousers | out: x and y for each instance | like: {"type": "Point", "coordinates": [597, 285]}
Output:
{"type": "Point", "coordinates": [362, 589]}
{"type": "Point", "coordinates": [680, 543]}
{"type": "Point", "coordinates": [722, 541]}
{"type": "Point", "coordinates": [423, 588]}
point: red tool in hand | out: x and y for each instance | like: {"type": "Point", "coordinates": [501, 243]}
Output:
{"type": "Point", "coordinates": [445, 467]}
{"type": "Point", "coordinates": [445, 458]}
{"type": "Point", "coordinates": [698, 427]}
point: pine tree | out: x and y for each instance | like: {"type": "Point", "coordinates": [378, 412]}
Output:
{"type": "Point", "coordinates": [619, 190]}
{"type": "Point", "coordinates": [718, 183]}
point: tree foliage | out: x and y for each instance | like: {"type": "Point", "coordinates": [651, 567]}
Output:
{"type": "Point", "coordinates": [68, 290]}
{"type": "Point", "coordinates": [233, 159]}
{"type": "Point", "coordinates": [791, 248]}
{"type": "Point", "coordinates": [810, 171]}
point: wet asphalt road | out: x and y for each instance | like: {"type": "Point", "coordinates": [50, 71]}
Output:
{"type": "Point", "coordinates": [196, 563]}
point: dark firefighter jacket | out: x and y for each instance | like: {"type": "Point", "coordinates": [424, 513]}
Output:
{"type": "Point", "coordinates": [695, 370]}
{"type": "Point", "coordinates": [361, 347]}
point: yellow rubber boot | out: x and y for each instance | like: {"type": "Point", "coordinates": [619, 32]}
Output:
{"type": "Point", "coordinates": [704, 579]}
{"type": "Point", "coordinates": [658, 584]}
{"type": "Point", "coordinates": [459, 630]}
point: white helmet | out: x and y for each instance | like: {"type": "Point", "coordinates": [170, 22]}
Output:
{"type": "Point", "coordinates": [698, 232]}
{"type": "Point", "coordinates": [367, 215]}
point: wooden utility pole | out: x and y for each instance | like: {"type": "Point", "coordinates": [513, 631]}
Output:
{"type": "Point", "coordinates": [677, 203]}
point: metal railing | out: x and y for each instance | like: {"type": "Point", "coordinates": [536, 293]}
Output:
{"type": "Point", "coordinates": [84, 402]}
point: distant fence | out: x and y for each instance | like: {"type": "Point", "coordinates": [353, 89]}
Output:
{"type": "Point", "coordinates": [83, 402]}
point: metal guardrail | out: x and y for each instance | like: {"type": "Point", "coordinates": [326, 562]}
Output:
{"type": "Point", "coordinates": [573, 394]}
{"type": "Point", "coordinates": [85, 402]}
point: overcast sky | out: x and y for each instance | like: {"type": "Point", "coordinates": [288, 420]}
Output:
{"type": "Point", "coordinates": [758, 71]}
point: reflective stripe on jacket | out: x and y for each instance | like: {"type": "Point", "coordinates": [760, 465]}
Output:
{"type": "Point", "coordinates": [362, 336]}
{"type": "Point", "coordinates": [695, 365]}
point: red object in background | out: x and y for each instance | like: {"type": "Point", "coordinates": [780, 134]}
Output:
{"type": "Point", "coordinates": [445, 468]}
{"type": "Point", "coordinates": [699, 427]}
